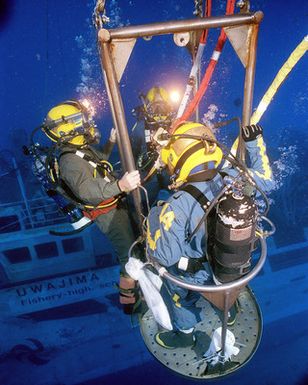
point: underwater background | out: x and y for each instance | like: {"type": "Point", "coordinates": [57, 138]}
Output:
{"type": "Point", "coordinates": [48, 54]}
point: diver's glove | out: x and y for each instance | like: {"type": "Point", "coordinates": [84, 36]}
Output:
{"type": "Point", "coordinates": [113, 135]}
{"type": "Point", "coordinates": [251, 132]}
{"type": "Point", "coordinates": [129, 181]}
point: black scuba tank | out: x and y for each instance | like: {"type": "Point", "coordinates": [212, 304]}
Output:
{"type": "Point", "coordinates": [234, 236]}
{"type": "Point", "coordinates": [74, 214]}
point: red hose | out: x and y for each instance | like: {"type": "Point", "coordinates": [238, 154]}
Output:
{"type": "Point", "coordinates": [207, 13]}
{"type": "Point", "coordinates": [208, 73]}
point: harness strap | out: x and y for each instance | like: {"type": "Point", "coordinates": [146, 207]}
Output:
{"type": "Point", "coordinates": [197, 195]}
{"type": "Point", "coordinates": [102, 208]}
{"type": "Point", "coordinates": [104, 164]}
{"type": "Point", "coordinates": [242, 269]}
{"type": "Point", "coordinates": [202, 176]}
{"type": "Point", "coordinates": [193, 265]}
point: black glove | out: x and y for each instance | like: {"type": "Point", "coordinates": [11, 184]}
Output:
{"type": "Point", "coordinates": [251, 132]}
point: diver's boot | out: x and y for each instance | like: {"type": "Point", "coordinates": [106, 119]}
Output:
{"type": "Point", "coordinates": [232, 313]}
{"type": "Point", "coordinates": [129, 294]}
{"type": "Point", "coordinates": [175, 339]}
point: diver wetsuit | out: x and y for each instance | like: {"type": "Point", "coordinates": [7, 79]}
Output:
{"type": "Point", "coordinates": [170, 224]}
{"type": "Point", "coordinates": [78, 175]}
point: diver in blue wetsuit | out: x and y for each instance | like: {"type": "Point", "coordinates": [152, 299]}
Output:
{"type": "Point", "coordinates": [193, 159]}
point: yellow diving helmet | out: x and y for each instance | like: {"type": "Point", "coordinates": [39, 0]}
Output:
{"type": "Point", "coordinates": [157, 106]}
{"type": "Point", "coordinates": [192, 149]}
{"type": "Point", "coordinates": [70, 122]}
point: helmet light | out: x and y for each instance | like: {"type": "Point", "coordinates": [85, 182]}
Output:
{"type": "Point", "coordinates": [175, 96]}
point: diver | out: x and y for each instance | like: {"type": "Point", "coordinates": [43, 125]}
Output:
{"type": "Point", "coordinates": [85, 176]}
{"type": "Point", "coordinates": [155, 114]}
{"type": "Point", "coordinates": [186, 246]}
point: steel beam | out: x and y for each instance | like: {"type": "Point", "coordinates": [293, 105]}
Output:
{"type": "Point", "coordinates": [120, 122]}
{"type": "Point", "coordinates": [177, 26]}
{"type": "Point", "coordinates": [249, 85]}
{"type": "Point", "coordinates": [111, 105]}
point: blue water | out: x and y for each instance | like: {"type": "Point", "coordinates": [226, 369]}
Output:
{"type": "Point", "coordinates": [48, 54]}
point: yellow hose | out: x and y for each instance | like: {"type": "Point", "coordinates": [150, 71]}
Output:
{"type": "Point", "coordinates": [273, 88]}
{"type": "Point", "coordinates": [279, 79]}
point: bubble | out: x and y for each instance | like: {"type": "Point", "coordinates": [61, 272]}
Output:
{"type": "Point", "coordinates": [210, 115]}
{"type": "Point", "coordinates": [286, 165]}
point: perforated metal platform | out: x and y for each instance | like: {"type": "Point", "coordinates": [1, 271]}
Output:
{"type": "Point", "coordinates": [190, 362]}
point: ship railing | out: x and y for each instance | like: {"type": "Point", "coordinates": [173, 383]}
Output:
{"type": "Point", "coordinates": [39, 212]}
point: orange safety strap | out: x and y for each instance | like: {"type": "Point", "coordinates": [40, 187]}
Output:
{"type": "Point", "coordinates": [94, 213]}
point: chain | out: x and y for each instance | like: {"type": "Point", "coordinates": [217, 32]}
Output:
{"type": "Point", "coordinates": [243, 5]}
{"type": "Point", "coordinates": [99, 17]}
{"type": "Point", "coordinates": [198, 8]}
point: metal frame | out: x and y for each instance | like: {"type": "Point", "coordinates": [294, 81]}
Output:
{"type": "Point", "coordinates": [105, 38]}
{"type": "Point", "coordinates": [225, 289]}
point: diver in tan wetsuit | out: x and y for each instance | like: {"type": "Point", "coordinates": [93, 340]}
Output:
{"type": "Point", "coordinates": [86, 176]}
